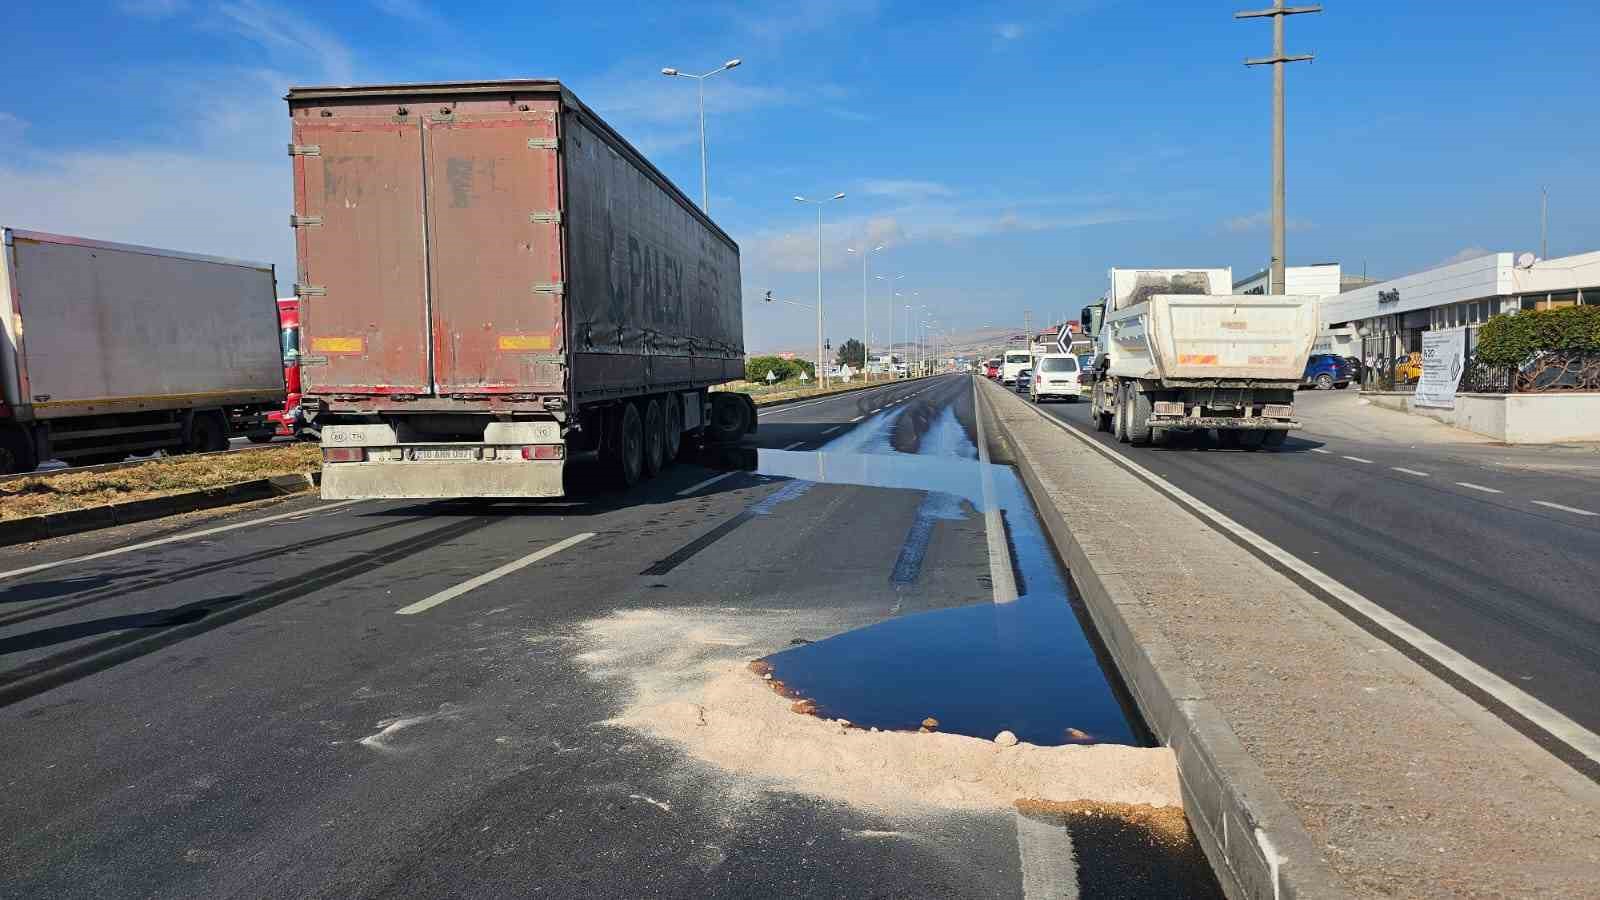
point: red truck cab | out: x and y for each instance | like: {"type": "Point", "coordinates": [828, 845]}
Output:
{"type": "Point", "coordinates": [288, 420]}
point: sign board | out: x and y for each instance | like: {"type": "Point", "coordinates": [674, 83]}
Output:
{"type": "Point", "coordinates": [1443, 357]}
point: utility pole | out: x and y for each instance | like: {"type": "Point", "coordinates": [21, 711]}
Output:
{"type": "Point", "coordinates": [1277, 61]}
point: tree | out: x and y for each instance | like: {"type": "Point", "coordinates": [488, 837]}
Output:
{"type": "Point", "coordinates": [852, 353]}
{"type": "Point", "coordinates": [757, 367]}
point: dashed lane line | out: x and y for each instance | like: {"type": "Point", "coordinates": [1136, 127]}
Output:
{"type": "Point", "coordinates": [832, 430]}
{"type": "Point", "coordinates": [1479, 487]}
{"type": "Point", "coordinates": [1358, 459]}
{"type": "Point", "coordinates": [1411, 471]}
{"type": "Point", "coordinates": [492, 575]}
{"type": "Point", "coordinates": [693, 488]}
{"type": "Point", "coordinates": [186, 536]}
{"type": "Point", "coordinates": [1320, 450]}
{"type": "Point", "coordinates": [794, 445]}
{"type": "Point", "coordinates": [1571, 509]}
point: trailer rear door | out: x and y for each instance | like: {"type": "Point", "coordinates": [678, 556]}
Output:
{"type": "Point", "coordinates": [494, 247]}
{"type": "Point", "coordinates": [359, 238]}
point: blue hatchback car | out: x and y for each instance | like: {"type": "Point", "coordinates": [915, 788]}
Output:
{"type": "Point", "coordinates": [1326, 371]}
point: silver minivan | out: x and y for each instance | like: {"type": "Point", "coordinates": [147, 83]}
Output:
{"type": "Point", "coordinates": [1055, 376]}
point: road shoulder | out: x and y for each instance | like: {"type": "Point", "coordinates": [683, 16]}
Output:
{"type": "Point", "coordinates": [1312, 753]}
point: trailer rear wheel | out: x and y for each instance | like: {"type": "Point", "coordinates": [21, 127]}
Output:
{"type": "Point", "coordinates": [673, 445]}
{"type": "Point", "coordinates": [655, 438]}
{"type": "Point", "coordinates": [1227, 438]}
{"type": "Point", "coordinates": [629, 449]}
{"type": "Point", "coordinates": [1139, 411]}
{"type": "Point", "coordinates": [16, 451]}
{"type": "Point", "coordinates": [730, 418]}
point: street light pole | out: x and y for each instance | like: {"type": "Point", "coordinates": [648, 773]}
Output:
{"type": "Point", "coordinates": [888, 287]}
{"type": "Point", "coordinates": [821, 378]}
{"type": "Point", "coordinates": [1275, 279]}
{"type": "Point", "coordinates": [771, 299]}
{"type": "Point", "coordinates": [866, 346]}
{"type": "Point", "coordinates": [700, 80]}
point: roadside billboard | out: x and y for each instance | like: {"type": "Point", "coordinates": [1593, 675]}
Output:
{"type": "Point", "coordinates": [1443, 358]}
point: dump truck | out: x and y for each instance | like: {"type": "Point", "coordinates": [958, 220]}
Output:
{"type": "Point", "coordinates": [493, 285]}
{"type": "Point", "coordinates": [1177, 353]}
{"type": "Point", "coordinates": [112, 349]}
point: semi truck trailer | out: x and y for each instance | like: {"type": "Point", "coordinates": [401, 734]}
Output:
{"type": "Point", "coordinates": [1176, 353]}
{"type": "Point", "coordinates": [493, 285]}
{"type": "Point", "coordinates": [111, 349]}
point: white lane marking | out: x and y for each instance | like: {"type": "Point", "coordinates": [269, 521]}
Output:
{"type": "Point", "coordinates": [1320, 450]}
{"type": "Point", "coordinates": [836, 396]}
{"type": "Point", "coordinates": [1358, 459]}
{"type": "Point", "coordinates": [186, 536]}
{"type": "Point", "coordinates": [832, 430]}
{"type": "Point", "coordinates": [794, 445]}
{"type": "Point", "coordinates": [1479, 487]}
{"type": "Point", "coordinates": [857, 419]}
{"type": "Point", "coordinates": [994, 527]}
{"type": "Point", "coordinates": [707, 483]}
{"type": "Point", "coordinates": [1049, 867]}
{"type": "Point", "coordinates": [1571, 509]}
{"type": "Point", "coordinates": [1411, 471]}
{"type": "Point", "coordinates": [1534, 710]}
{"type": "Point", "coordinates": [428, 603]}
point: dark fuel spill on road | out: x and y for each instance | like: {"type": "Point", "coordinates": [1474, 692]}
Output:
{"type": "Point", "coordinates": [1024, 666]}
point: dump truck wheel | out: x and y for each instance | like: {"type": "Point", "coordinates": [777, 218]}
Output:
{"type": "Point", "coordinates": [1119, 419]}
{"type": "Point", "coordinates": [1272, 440]}
{"type": "Point", "coordinates": [1139, 410]}
{"type": "Point", "coordinates": [728, 419]}
{"type": "Point", "coordinates": [16, 451]}
{"type": "Point", "coordinates": [655, 438]}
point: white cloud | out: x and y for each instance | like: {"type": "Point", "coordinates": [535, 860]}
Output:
{"type": "Point", "coordinates": [302, 43]}
{"type": "Point", "coordinates": [778, 20]}
{"type": "Point", "coordinates": [904, 189]}
{"type": "Point", "coordinates": [1462, 255]}
{"type": "Point", "coordinates": [1010, 31]}
{"type": "Point", "coordinates": [152, 9]}
{"type": "Point", "coordinates": [1258, 221]}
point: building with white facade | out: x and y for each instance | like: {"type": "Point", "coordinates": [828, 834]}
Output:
{"type": "Point", "coordinates": [1317, 280]}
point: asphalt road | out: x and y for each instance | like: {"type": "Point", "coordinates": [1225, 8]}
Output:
{"type": "Point", "coordinates": [235, 707]}
{"type": "Point", "coordinates": [1493, 550]}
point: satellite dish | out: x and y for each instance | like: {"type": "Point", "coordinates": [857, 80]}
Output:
{"type": "Point", "coordinates": [1526, 261]}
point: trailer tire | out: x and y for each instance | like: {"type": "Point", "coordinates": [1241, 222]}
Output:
{"type": "Point", "coordinates": [17, 453]}
{"type": "Point", "coordinates": [655, 438]}
{"type": "Point", "coordinates": [729, 418]}
{"type": "Point", "coordinates": [672, 446]}
{"type": "Point", "coordinates": [629, 449]}
{"type": "Point", "coordinates": [1139, 411]}
{"type": "Point", "coordinates": [1227, 438]}
{"type": "Point", "coordinates": [1274, 439]}
{"type": "Point", "coordinates": [208, 433]}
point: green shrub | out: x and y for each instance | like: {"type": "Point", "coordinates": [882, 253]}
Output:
{"type": "Point", "coordinates": [1510, 340]}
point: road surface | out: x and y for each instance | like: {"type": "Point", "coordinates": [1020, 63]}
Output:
{"type": "Point", "coordinates": [1493, 550]}
{"type": "Point", "coordinates": [392, 698]}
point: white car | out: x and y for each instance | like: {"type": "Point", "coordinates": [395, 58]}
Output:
{"type": "Point", "coordinates": [1055, 376]}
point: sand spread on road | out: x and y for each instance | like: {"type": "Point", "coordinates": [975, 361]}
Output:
{"type": "Point", "coordinates": [687, 680]}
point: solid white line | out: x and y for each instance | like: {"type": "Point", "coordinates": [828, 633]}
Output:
{"type": "Point", "coordinates": [491, 575]}
{"type": "Point", "coordinates": [832, 430]}
{"type": "Point", "coordinates": [834, 396]}
{"type": "Point", "coordinates": [794, 445]}
{"type": "Point", "coordinates": [707, 483]}
{"type": "Point", "coordinates": [1411, 472]}
{"type": "Point", "coordinates": [1049, 866]}
{"type": "Point", "coordinates": [994, 527]}
{"type": "Point", "coordinates": [186, 536]}
{"type": "Point", "coordinates": [1571, 509]}
{"type": "Point", "coordinates": [1320, 450]}
{"type": "Point", "coordinates": [1358, 459]}
{"type": "Point", "coordinates": [1534, 710]}
{"type": "Point", "coordinates": [1479, 487]}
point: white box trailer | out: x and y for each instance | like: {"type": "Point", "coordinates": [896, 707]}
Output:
{"type": "Point", "coordinates": [111, 349]}
{"type": "Point", "coordinates": [1177, 353]}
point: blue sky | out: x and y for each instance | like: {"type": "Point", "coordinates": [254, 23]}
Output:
{"type": "Point", "coordinates": [1007, 154]}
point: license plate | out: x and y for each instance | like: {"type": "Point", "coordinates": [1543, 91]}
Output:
{"type": "Point", "coordinates": [445, 453]}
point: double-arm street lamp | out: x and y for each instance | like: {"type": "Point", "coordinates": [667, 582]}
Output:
{"type": "Point", "coordinates": [866, 347]}
{"type": "Point", "coordinates": [821, 378]}
{"type": "Point", "coordinates": [700, 80]}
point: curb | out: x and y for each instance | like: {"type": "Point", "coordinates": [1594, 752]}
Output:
{"type": "Point", "coordinates": [52, 525]}
{"type": "Point", "coordinates": [1254, 841]}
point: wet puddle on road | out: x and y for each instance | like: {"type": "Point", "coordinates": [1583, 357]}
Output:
{"type": "Point", "coordinates": [1024, 666]}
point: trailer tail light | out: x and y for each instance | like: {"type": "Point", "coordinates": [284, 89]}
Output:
{"type": "Point", "coordinates": [545, 451]}
{"type": "Point", "coordinates": [1277, 411]}
{"type": "Point", "coordinates": [344, 454]}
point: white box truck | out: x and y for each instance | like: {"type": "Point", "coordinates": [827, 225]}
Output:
{"type": "Point", "coordinates": [1176, 353]}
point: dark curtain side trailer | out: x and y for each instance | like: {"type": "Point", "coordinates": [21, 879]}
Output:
{"type": "Point", "coordinates": [492, 283]}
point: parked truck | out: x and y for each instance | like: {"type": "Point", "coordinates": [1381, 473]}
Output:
{"type": "Point", "coordinates": [1175, 353]}
{"type": "Point", "coordinates": [111, 349]}
{"type": "Point", "coordinates": [493, 284]}
{"type": "Point", "coordinates": [286, 421]}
